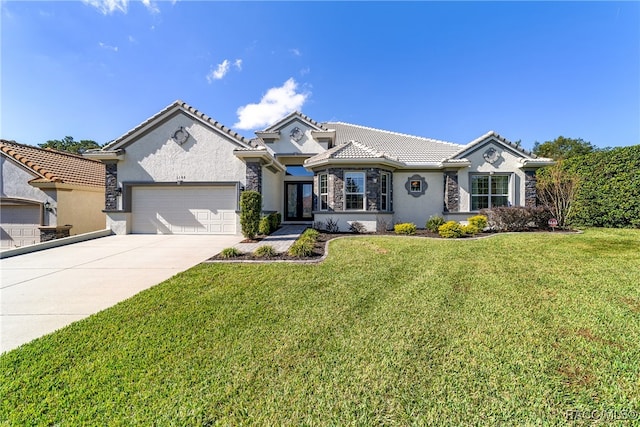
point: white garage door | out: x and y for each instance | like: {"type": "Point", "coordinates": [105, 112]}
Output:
{"type": "Point", "coordinates": [184, 210]}
{"type": "Point", "coordinates": [19, 225]}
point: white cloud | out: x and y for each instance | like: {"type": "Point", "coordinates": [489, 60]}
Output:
{"type": "Point", "coordinates": [108, 47]}
{"type": "Point", "coordinates": [222, 69]}
{"type": "Point", "coordinates": [219, 72]}
{"type": "Point", "coordinates": [107, 7]}
{"type": "Point", "coordinates": [276, 103]}
{"type": "Point", "coordinates": [151, 6]}
{"type": "Point", "coordinates": [295, 51]}
{"type": "Point", "coordinates": [305, 71]}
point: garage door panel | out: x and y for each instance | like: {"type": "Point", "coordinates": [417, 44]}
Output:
{"type": "Point", "coordinates": [19, 226]}
{"type": "Point", "coordinates": [184, 210]}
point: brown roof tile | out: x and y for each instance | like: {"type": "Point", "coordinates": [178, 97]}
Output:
{"type": "Point", "coordinates": [55, 166]}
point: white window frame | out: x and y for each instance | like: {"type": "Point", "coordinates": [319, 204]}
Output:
{"type": "Point", "coordinates": [362, 193]}
{"type": "Point", "coordinates": [419, 190]}
{"type": "Point", "coordinates": [489, 195]}
{"type": "Point", "coordinates": [385, 176]}
{"type": "Point", "coordinates": [323, 204]}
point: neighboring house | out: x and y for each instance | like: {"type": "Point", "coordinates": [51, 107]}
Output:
{"type": "Point", "coordinates": [182, 172]}
{"type": "Point", "coordinates": [46, 194]}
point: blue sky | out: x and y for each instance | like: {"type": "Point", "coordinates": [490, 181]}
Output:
{"type": "Point", "coordinates": [453, 70]}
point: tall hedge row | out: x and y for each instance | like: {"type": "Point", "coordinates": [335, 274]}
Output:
{"type": "Point", "coordinates": [609, 190]}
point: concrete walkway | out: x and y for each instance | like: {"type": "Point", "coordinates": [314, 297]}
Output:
{"type": "Point", "coordinates": [281, 239]}
{"type": "Point", "coordinates": [46, 290]}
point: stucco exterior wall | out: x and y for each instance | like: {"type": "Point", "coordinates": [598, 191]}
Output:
{"type": "Point", "coordinates": [205, 156]}
{"type": "Point", "coordinates": [287, 145]}
{"type": "Point", "coordinates": [507, 163]}
{"type": "Point", "coordinates": [417, 210]}
{"type": "Point", "coordinates": [82, 209]}
{"type": "Point", "coordinates": [272, 189]}
{"type": "Point", "coordinates": [14, 182]}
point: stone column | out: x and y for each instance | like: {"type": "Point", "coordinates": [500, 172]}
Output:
{"type": "Point", "coordinates": [451, 192]}
{"type": "Point", "coordinates": [336, 189]}
{"type": "Point", "coordinates": [111, 186]}
{"type": "Point", "coordinates": [254, 176]}
{"type": "Point", "coordinates": [373, 189]}
{"type": "Point", "coordinates": [530, 192]}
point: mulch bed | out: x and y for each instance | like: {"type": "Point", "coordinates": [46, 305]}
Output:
{"type": "Point", "coordinates": [318, 251]}
{"type": "Point", "coordinates": [323, 238]}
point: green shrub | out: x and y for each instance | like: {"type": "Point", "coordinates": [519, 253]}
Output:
{"type": "Point", "coordinates": [608, 194]}
{"type": "Point", "coordinates": [407, 228]}
{"type": "Point", "coordinates": [303, 247]}
{"type": "Point", "coordinates": [265, 251]}
{"type": "Point", "coordinates": [433, 223]}
{"type": "Point", "coordinates": [450, 230]}
{"type": "Point", "coordinates": [230, 253]}
{"type": "Point", "coordinates": [479, 222]}
{"type": "Point", "coordinates": [469, 230]}
{"type": "Point", "coordinates": [311, 233]}
{"type": "Point", "coordinates": [250, 207]}
{"type": "Point", "coordinates": [265, 226]}
{"type": "Point", "coordinates": [274, 221]}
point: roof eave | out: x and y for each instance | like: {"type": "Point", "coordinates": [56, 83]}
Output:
{"type": "Point", "coordinates": [362, 161]}
{"type": "Point", "coordinates": [536, 163]}
{"type": "Point", "coordinates": [105, 155]}
{"type": "Point", "coordinates": [263, 155]}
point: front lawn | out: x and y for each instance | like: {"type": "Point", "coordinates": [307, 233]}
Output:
{"type": "Point", "coordinates": [512, 329]}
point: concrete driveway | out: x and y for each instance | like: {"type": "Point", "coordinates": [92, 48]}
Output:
{"type": "Point", "coordinates": [46, 290]}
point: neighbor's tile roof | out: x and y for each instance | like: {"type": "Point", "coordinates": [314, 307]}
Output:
{"type": "Point", "coordinates": [404, 148]}
{"type": "Point", "coordinates": [56, 166]}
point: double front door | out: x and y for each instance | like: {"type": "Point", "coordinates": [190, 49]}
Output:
{"type": "Point", "coordinates": [298, 201]}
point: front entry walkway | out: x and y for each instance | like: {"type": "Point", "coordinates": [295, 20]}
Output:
{"type": "Point", "coordinates": [281, 239]}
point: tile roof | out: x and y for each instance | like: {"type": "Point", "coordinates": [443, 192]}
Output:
{"type": "Point", "coordinates": [495, 135]}
{"type": "Point", "coordinates": [185, 107]}
{"type": "Point", "coordinates": [56, 166]}
{"type": "Point", "coordinates": [352, 150]}
{"type": "Point", "coordinates": [408, 149]}
{"type": "Point", "coordinates": [290, 116]}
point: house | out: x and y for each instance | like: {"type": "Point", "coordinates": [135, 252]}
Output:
{"type": "Point", "coordinates": [181, 171]}
{"type": "Point", "coordinates": [47, 194]}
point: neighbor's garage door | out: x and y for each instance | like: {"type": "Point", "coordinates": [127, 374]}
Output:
{"type": "Point", "coordinates": [19, 225]}
{"type": "Point", "coordinates": [184, 210]}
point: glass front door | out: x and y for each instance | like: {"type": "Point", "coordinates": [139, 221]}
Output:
{"type": "Point", "coordinates": [299, 201]}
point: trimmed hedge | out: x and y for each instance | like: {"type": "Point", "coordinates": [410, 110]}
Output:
{"type": "Point", "coordinates": [609, 191]}
{"type": "Point", "coordinates": [406, 228]}
{"type": "Point", "coordinates": [250, 207]}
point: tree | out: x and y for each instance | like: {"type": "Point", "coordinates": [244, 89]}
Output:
{"type": "Point", "coordinates": [557, 188]}
{"type": "Point", "coordinates": [69, 145]}
{"type": "Point", "coordinates": [563, 148]}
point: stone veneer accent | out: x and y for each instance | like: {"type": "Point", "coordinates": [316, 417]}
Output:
{"type": "Point", "coordinates": [530, 193]}
{"type": "Point", "coordinates": [111, 186]}
{"type": "Point", "coordinates": [451, 192]}
{"type": "Point", "coordinates": [254, 177]}
{"type": "Point", "coordinates": [52, 233]}
{"type": "Point", "coordinates": [336, 189]}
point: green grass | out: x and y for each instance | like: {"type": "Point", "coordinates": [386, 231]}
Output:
{"type": "Point", "coordinates": [514, 329]}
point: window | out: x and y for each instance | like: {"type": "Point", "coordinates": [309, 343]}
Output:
{"type": "Point", "coordinates": [384, 192]}
{"type": "Point", "coordinates": [489, 191]}
{"type": "Point", "coordinates": [415, 186]}
{"type": "Point", "coordinates": [324, 191]}
{"type": "Point", "coordinates": [354, 190]}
